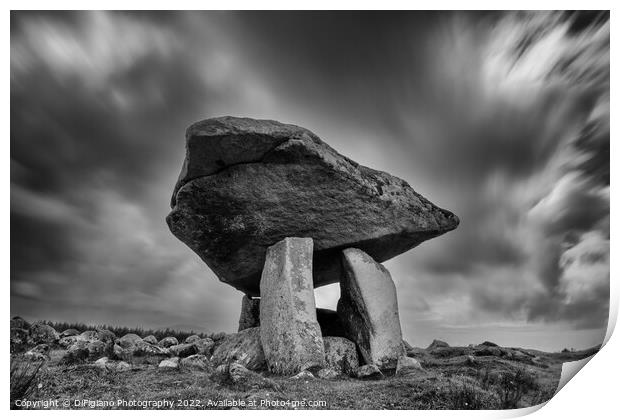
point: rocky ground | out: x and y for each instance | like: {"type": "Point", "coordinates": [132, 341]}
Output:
{"type": "Point", "coordinates": [76, 369]}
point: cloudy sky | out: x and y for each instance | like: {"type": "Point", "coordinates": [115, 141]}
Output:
{"type": "Point", "coordinates": [501, 118]}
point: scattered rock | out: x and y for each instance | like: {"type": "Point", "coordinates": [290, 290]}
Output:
{"type": "Point", "coordinates": [172, 363]}
{"type": "Point", "coordinates": [244, 348]}
{"type": "Point", "coordinates": [106, 336]}
{"type": "Point", "coordinates": [69, 333]}
{"type": "Point", "coordinates": [437, 344]}
{"type": "Point", "coordinates": [122, 367]}
{"type": "Point", "coordinates": [129, 341]}
{"type": "Point", "coordinates": [250, 313]}
{"type": "Point", "coordinates": [68, 341]}
{"type": "Point", "coordinates": [98, 349]}
{"type": "Point", "coordinates": [241, 376]}
{"type": "Point", "coordinates": [341, 355]}
{"type": "Point", "coordinates": [368, 372]}
{"type": "Point", "coordinates": [19, 322]}
{"type": "Point", "coordinates": [168, 342]}
{"type": "Point", "coordinates": [204, 346]}
{"type": "Point", "coordinates": [304, 374]}
{"type": "Point", "coordinates": [328, 373]}
{"type": "Point", "coordinates": [196, 362]}
{"type": "Point", "coordinates": [407, 366]}
{"type": "Point", "coordinates": [369, 310]}
{"type": "Point", "coordinates": [77, 353]}
{"type": "Point", "coordinates": [150, 339]}
{"type": "Point", "coordinates": [43, 334]}
{"type": "Point", "coordinates": [39, 352]}
{"type": "Point", "coordinates": [245, 183]}
{"type": "Point", "coordinates": [289, 331]}
{"type": "Point", "coordinates": [183, 350]}
{"type": "Point", "coordinates": [19, 339]}
{"type": "Point", "coordinates": [191, 339]}
{"type": "Point", "coordinates": [89, 335]}
{"type": "Point", "coordinates": [488, 351]}
{"type": "Point", "coordinates": [102, 362]}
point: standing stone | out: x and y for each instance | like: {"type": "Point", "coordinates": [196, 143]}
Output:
{"type": "Point", "coordinates": [250, 313]}
{"type": "Point", "coordinates": [290, 333]}
{"type": "Point", "coordinates": [368, 309]}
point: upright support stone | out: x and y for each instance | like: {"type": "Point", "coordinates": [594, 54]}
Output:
{"type": "Point", "coordinates": [290, 333]}
{"type": "Point", "coordinates": [250, 312]}
{"type": "Point", "coordinates": [368, 309]}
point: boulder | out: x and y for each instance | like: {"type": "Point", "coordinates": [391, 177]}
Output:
{"type": "Point", "coordinates": [68, 341]}
{"type": "Point", "coordinates": [488, 351]}
{"type": "Point", "coordinates": [244, 348]}
{"type": "Point", "coordinates": [369, 372]}
{"type": "Point", "coordinates": [489, 344]}
{"type": "Point", "coordinates": [245, 378]}
{"type": "Point", "coordinates": [437, 344]}
{"type": "Point", "coordinates": [19, 322]}
{"type": "Point", "coordinates": [217, 336]}
{"type": "Point", "coordinates": [43, 334]}
{"type": "Point", "coordinates": [77, 353]}
{"type": "Point", "coordinates": [39, 352]}
{"type": "Point", "coordinates": [290, 334]}
{"type": "Point", "coordinates": [204, 346]}
{"type": "Point", "coordinates": [250, 313]}
{"type": "Point", "coordinates": [172, 363]}
{"type": "Point", "coordinates": [102, 362]}
{"type": "Point", "coordinates": [71, 332]}
{"type": "Point", "coordinates": [183, 350]}
{"type": "Point", "coordinates": [328, 373]}
{"type": "Point", "coordinates": [196, 362]}
{"type": "Point", "coordinates": [122, 367]}
{"type": "Point", "coordinates": [89, 335]}
{"type": "Point", "coordinates": [191, 339]}
{"type": "Point", "coordinates": [304, 374]}
{"type": "Point", "coordinates": [246, 184]}
{"type": "Point", "coordinates": [340, 355]}
{"type": "Point", "coordinates": [150, 339]}
{"type": "Point", "coordinates": [98, 349]}
{"type": "Point", "coordinates": [19, 339]}
{"type": "Point", "coordinates": [407, 366]}
{"type": "Point", "coordinates": [168, 342]}
{"type": "Point", "coordinates": [129, 341]}
{"type": "Point", "coordinates": [368, 309]}
{"type": "Point", "coordinates": [142, 348]}
{"type": "Point", "coordinates": [106, 336]}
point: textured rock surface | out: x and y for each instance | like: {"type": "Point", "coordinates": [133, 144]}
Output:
{"type": "Point", "coordinates": [150, 339]}
{"type": "Point", "coordinates": [407, 366]}
{"type": "Point", "coordinates": [368, 372]}
{"type": "Point", "coordinates": [183, 350]}
{"type": "Point", "coordinates": [172, 363]}
{"type": "Point", "coordinates": [341, 355]}
{"type": "Point", "coordinates": [69, 333]}
{"type": "Point", "coordinates": [43, 334]}
{"type": "Point", "coordinates": [250, 313]}
{"type": "Point", "coordinates": [168, 342]}
{"type": "Point", "coordinates": [196, 362]}
{"type": "Point", "coordinates": [247, 184]}
{"type": "Point", "coordinates": [289, 330]}
{"type": "Point", "coordinates": [368, 309]}
{"type": "Point", "coordinates": [244, 348]}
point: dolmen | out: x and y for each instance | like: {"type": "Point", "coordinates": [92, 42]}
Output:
{"type": "Point", "coordinates": [276, 212]}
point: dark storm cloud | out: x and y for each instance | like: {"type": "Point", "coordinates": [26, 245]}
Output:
{"type": "Point", "coordinates": [100, 102]}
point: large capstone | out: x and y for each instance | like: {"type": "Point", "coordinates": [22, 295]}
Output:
{"type": "Point", "coordinates": [289, 330]}
{"type": "Point", "coordinates": [368, 309]}
{"type": "Point", "coordinates": [247, 184]}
